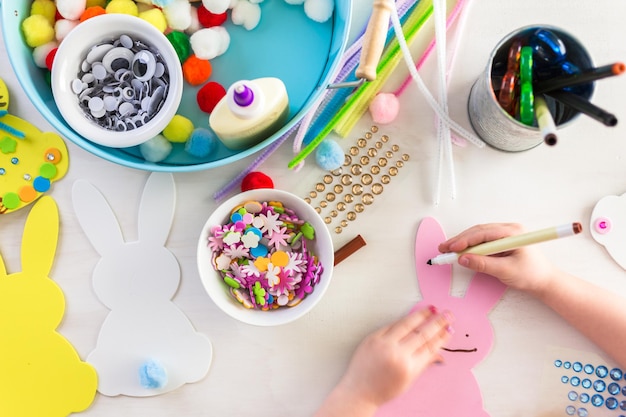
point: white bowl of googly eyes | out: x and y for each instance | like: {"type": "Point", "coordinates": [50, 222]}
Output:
{"type": "Point", "coordinates": [116, 80]}
{"type": "Point", "coordinates": [265, 257]}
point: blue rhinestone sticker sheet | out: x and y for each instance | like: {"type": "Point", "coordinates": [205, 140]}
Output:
{"type": "Point", "coordinates": [582, 384]}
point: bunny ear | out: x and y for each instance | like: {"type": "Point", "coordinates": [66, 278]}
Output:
{"type": "Point", "coordinates": [41, 233]}
{"type": "Point", "coordinates": [434, 280]}
{"type": "Point", "coordinates": [96, 217]}
{"type": "Point", "coordinates": [156, 211]}
{"type": "Point", "coordinates": [484, 292]}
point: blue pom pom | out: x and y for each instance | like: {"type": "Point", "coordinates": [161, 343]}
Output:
{"type": "Point", "coordinates": [329, 155]}
{"type": "Point", "coordinates": [152, 374]}
{"type": "Point", "coordinates": [201, 142]}
{"type": "Point", "coordinates": [162, 3]}
{"type": "Point", "coordinates": [155, 149]}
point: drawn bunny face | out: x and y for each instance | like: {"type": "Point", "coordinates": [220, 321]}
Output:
{"type": "Point", "coordinates": [473, 335]}
{"type": "Point", "coordinates": [128, 268]}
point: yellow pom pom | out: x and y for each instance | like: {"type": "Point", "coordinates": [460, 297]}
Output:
{"type": "Point", "coordinates": [37, 30]}
{"type": "Point", "coordinates": [46, 8]}
{"type": "Point", "coordinates": [179, 129]}
{"type": "Point", "coordinates": [92, 3]}
{"type": "Point", "coordinates": [123, 7]}
{"type": "Point", "coordinates": [155, 17]}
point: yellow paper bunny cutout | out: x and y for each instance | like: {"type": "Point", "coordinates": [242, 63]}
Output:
{"type": "Point", "coordinates": [30, 160]}
{"type": "Point", "coordinates": [41, 375]}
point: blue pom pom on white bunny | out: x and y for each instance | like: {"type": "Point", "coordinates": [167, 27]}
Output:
{"type": "Point", "coordinates": [146, 346]}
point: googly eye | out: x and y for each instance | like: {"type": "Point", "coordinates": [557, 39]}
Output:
{"type": "Point", "coordinates": [110, 103]}
{"type": "Point", "coordinates": [97, 53]}
{"type": "Point", "coordinates": [126, 41]}
{"type": "Point", "coordinates": [602, 225]}
{"type": "Point", "coordinates": [99, 71]}
{"type": "Point", "coordinates": [117, 58]}
{"type": "Point", "coordinates": [143, 65]}
{"type": "Point", "coordinates": [156, 100]}
{"type": "Point", "coordinates": [128, 94]}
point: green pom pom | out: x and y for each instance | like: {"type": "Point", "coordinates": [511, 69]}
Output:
{"type": "Point", "coordinates": [181, 44]}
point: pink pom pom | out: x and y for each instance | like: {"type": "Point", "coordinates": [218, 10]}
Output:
{"type": "Point", "coordinates": [384, 108]}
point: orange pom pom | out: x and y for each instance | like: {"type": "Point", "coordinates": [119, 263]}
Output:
{"type": "Point", "coordinates": [196, 71]}
{"type": "Point", "coordinates": [92, 11]}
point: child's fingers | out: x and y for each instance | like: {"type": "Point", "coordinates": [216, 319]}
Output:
{"type": "Point", "coordinates": [431, 334]}
{"type": "Point", "coordinates": [410, 322]}
{"type": "Point", "coordinates": [479, 234]}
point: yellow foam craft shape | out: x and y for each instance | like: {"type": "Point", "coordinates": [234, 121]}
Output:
{"type": "Point", "coordinates": [41, 373]}
{"type": "Point", "coordinates": [38, 154]}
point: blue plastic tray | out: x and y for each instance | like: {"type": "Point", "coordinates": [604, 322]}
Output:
{"type": "Point", "coordinates": [286, 44]}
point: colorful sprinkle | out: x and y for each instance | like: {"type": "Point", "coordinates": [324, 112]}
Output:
{"type": "Point", "coordinates": [261, 257]}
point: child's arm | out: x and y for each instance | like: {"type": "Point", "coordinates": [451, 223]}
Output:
{"type": "Point", "coordinates": [387, 362]}
{"type": "Point", "coordinates": [597, 313]}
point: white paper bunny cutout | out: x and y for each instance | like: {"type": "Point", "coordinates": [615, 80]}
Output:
{"type": "Point", "coordinates": [449, 389]}
{"type": "Point", "coordinates": [136, 281]}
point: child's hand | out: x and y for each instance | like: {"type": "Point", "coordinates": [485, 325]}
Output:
{"type": "Point", "coordinates": [388, 361]}
{"type": "Point", "coordinates": [524, 268]}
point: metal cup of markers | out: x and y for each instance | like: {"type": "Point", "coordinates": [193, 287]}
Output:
{"type": "Point", "coordinates": [501, 128]}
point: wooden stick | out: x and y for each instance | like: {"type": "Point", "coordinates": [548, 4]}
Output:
{"type": "Point", "coordinates": [374, 39]}
{"type": "Point", "coordinates": [349, 248]}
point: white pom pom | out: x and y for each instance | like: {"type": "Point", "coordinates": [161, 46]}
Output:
{"type": "Point", "coordinates": [319, 10]}
{"type": "Point", "coordinates": [210, 42]}
{"type": "Point", "coordinates": [71, 9]}
{"type": "Point", "coordinates": [178, 14]}
{"type": "Point", "coordinates": [156, 149]}
{"type": "Point", "coordinates": [224, 39]}
{"type": "Point", "coordinates": [62, 27]}
{"type": "Point", "coordinates": [216, 6]}
{"type": "Point", "coordinates": [41, 52]}
{"type": "Point", "coordinates": [246, 14]}
{"type": "Point", "coordinates": [195, 23]}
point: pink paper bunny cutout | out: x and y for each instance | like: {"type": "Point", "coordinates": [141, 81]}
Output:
{"type": "Point", "coordinates": [449, 389]}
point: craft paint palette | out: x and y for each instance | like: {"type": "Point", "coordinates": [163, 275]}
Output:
{"type": "Point", "coordinates": [286, 44]}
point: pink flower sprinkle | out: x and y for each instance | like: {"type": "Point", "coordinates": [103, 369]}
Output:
{"type": "Point", "coordinates": [237, 251]}
{"type": "Point", "coordinates": [279, 237]}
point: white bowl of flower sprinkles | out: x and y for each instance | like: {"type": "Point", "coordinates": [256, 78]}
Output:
{"type": "Point", "coordinates": [265, 257]}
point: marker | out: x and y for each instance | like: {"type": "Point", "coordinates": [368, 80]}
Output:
{"type": "Point", "coordinates": [584, 77]}
{"type": "Point", "coordinates": [510, 243]}
{"type": "Point", "coordinates": [584, 106]}
{"type": "Point", "coordinates": [545, 121]}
